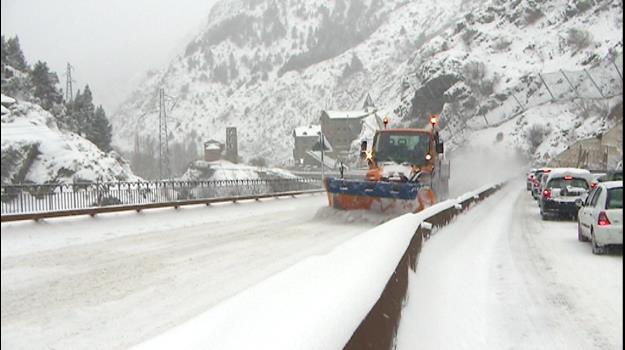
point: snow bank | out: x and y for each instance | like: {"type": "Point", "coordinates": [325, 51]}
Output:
{"type": "Point", "coordinates": [341, 286]}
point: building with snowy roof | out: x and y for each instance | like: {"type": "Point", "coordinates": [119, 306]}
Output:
{"type": "Point", "coordinates": [213, 150]}
{"type": "Point", "coordinates": [305, 137]}
{"type": "Point", "coordinates": [342, 127]}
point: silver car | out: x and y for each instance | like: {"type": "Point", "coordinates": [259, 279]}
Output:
{"type": "Point", "coordinates": [600, 217]}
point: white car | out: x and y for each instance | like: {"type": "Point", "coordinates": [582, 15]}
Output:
{"type": "Point", "coordinates": [600, 217]}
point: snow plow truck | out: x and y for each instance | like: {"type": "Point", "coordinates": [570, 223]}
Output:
{"type": "Point", "coordinates": [407, 173]}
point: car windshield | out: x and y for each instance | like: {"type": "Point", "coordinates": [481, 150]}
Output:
{"type": "Point", "coordinates": [615, 198]}
{"type": "Point", "coordinates": [402, 147]}
{"type": "Point", "coordinates": [563, 183]}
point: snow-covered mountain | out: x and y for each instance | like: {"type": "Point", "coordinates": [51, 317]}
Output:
{"type": "Point", "coordinates": [35, 150]}
{"type": "Point", "coordinates": [268, 66]}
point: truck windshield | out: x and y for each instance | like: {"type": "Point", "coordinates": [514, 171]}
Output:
{"type": "Point", "coordinates": [402, 147]}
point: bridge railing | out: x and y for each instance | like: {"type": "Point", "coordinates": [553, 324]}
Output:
{"type": "Point", "coordinates": [34, 198]}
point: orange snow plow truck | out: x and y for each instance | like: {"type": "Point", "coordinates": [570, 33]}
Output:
{"type": "Point", "coordinates": [407, 173]}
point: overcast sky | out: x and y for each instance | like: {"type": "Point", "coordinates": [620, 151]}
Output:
{"type": "Point", "coordinates": [110, 43]}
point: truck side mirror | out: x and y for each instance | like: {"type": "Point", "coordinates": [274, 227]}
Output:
{"type": "Point", "coordinates": [363, 150]}
{"type": "Point", "coordinates": [439, 147]}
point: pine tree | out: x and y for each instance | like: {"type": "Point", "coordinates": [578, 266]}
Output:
{"type": "Point", "coordinates": [3, 52]}
{"type": "Point", "coordinates": [220, 73]}
{"type": "Point", "coordinates": [14, 55]}
{"type": "Point", "coordinates": [75, 122]}
{"type": "Point", "coordinates": [44, 86]}
{"type": "Point", "coordinates": [86, 111]}
{"type": "Point", "coordinates": [232, 67]}
{"type": "Point", "coordinates": [81, 112]}
{"type": "Point", "coordinates": [101, 130]}
{"type": "Point", "coordinates": [72, 112]}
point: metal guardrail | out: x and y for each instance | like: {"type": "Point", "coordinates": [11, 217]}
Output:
{"type": "Point", "coordinates": [26, 199]}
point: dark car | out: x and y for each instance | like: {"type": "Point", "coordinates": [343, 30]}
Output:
{"type": "Point", "coordinates": [530, 177]}
{"type": "Point", "coordinates": [614, 175]}
{"type": "Point", "coordinates": [562, 188]}
{"type": "Point", "coordinates": [536, 189]}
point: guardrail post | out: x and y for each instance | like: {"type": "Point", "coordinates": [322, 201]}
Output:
{"type": "Point", "coordinates": [518, 102]}
{"type": "Point", "coordinates": [595, 84]}
{"type": "Point", "coordinates": [570, 84]}
{"type": "Point", "coordinates": [546, 86]}
{"type": "Point", "coordinates": [21, 200]}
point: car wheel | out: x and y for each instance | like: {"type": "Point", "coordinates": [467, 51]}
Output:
{"type": "Point", "coordinates": [580, 236]}
{"type": "Point", "coordinates": [596, 249]}
{"type": "Point", "coordinates": [543, 215]}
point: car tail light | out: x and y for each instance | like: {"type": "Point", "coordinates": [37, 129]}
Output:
{"type": "Point", "coordinates": [547, 193]}
{"type": "Point", "coordinates": [603, 219]}
{"type": "Point", "coordinates": [568, 177]}
{"type": "Point", "coordinates": [593, 185]}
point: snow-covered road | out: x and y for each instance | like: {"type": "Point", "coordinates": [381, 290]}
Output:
{"type": "Point", "coordinates": [501, 278]}
{"type": "Point", "coordinates": [114, 280]}
{"type": "Point", "coordinates": [497, 277]}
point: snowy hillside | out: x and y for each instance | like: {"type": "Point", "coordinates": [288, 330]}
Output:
{"type": "Point", "coordinates": [267, 67]}
{"type": "Point", "coordinates": [224, 170]}
{"type": "Point", "coordinates": [35, 150]}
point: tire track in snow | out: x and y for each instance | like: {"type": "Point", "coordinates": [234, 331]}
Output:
{"type": "Point", "coordinates": [541, 252]}
{"type": "Point", "coordinates": [499, 277]}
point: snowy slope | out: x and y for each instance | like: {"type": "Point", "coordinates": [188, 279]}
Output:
{"type": "Point", "coordinates": [268, 67]}
{"type": "Point", "coordinates": [264, 105]}
{"type": "Point", "coordinates": [35, 150]}
{"type": "Point", "coordinates": [224, 170]}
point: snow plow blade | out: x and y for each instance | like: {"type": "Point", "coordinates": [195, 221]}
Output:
{"type": "Point", "coordinates": [379, 196]}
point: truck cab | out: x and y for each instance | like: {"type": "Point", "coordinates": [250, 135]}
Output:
{"type": "Point", "coordinates": [418, 151]}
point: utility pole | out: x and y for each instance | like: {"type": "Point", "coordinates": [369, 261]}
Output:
{"type": "Point", "coordinates": [163, 143]}
{"type": "Point", "coordinates": [69, 94]}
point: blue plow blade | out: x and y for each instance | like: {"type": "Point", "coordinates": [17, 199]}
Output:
{"type": "Point", "coordinates": [381, 189]}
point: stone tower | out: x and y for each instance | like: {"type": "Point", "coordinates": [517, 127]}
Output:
{"type": "Point", "coordinates": [232, 151]}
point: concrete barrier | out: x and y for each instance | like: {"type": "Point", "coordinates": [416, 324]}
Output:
{"type": "Point", "coordinates": [379, 328]}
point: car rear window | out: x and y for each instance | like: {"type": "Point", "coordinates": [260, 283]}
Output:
{"type": "Point", "coordinates": [564, 183]}
{"type": "Point", "coordinates": [615, 198]}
